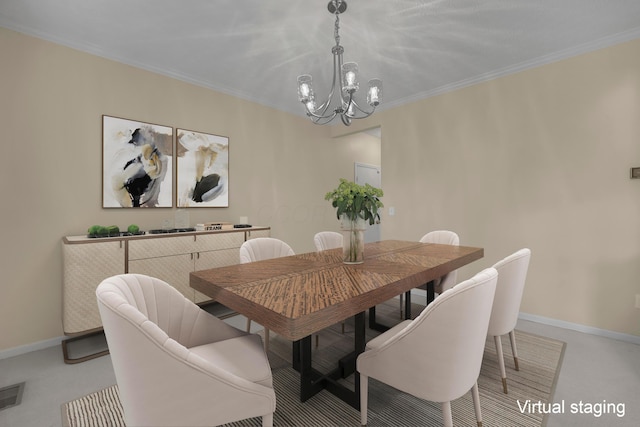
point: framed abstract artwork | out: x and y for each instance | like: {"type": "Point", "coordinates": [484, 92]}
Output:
{"type": "Point", "coordinates": [137, 164]}
{"type": "Point", "coordinates": [202, 169]}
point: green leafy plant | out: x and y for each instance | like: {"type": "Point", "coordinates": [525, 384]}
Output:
{"type": "Point", "coordinates": [356, 201]}
{"type": "Point", "coordinates": [101, 231]}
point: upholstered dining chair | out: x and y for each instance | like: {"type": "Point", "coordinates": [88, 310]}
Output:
{"type": "Point", "coordinates": [437, 356]}
{"type": "Point", "coordinates": [259, 249]}
{"type": "Point", "coordinates": [444, 237]}
{"type": "Point", "coordinates": [176, 364]}
{"type": "Point", "coordinates": [512, 273]}
{"type": "Point", "coordinates": [325, 240]}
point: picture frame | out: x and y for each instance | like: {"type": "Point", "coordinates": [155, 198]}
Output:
{"type": "Point", "coordinates": [137, 164]}
{"type": "Point", "coordinates": [202, 169]}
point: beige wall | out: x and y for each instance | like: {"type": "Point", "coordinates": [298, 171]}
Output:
{"type": "Point", "coordinates": [51, 107]}
{"type": "Point", "coordinates": [538, 159]}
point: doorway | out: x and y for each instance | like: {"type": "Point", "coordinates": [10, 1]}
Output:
{"type": "Point", "coordinates": [369, 174]}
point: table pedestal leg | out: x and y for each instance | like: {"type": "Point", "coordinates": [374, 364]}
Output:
{"type": "Point", "coordinates": [431, 293]}
{"type": "Point", "coordinates": [373, 324]}
{"type": "Point", "coordinates": [312, 381]}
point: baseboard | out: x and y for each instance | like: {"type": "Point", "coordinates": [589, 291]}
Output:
{"type": "Point", "coordinates": [634, 339]}
{"type": "Point", "coordinates": [28, 348]}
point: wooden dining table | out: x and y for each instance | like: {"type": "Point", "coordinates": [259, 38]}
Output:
{"type": "Point", "coordinates": [299, 295]}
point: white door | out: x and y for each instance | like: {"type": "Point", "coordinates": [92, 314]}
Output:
{"type": "Point", "coordinates": [369, 174]}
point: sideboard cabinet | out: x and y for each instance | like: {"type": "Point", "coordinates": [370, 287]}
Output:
{"type": "Point", "coordinates": [170, 257]}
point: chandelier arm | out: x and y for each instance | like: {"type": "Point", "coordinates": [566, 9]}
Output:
{"type": "Point", "coordinates": [313, 115]}
{"type": "Point", "coordinates": [347, 102]}
{"type": "Point", "coordinates": [324, 106]}
{"type": "Point", "coordinates": [352, 102]}
{"type": "Point", "coordinates": [368, 113]}
{"type": "Point", "coordinates": [337, 63]}
{"type": "Point", "coordinates": [337, 67]}
{"type": "Point", "coordinates": [327, 119]}
{"type": "Point", "coordinates": [323, 109]}
{"type": "Point", "coordinates": [365, 115]}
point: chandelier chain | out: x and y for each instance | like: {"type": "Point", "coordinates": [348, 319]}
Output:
{"type": "Point", "coordinates": [336, 34]}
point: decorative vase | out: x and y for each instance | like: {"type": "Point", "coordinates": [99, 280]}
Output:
{"type": "Point", "coordinates": [352, 240]}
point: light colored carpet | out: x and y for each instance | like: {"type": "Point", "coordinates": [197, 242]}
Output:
{"type": "Point", "coordinates": [540, 361]}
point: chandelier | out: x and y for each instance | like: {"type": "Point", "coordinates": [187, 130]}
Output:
{"type": "Point", "coordinates": [345, 84]}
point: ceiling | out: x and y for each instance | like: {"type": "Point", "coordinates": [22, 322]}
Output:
{"type": "Point", "coordinates": [255, 49]}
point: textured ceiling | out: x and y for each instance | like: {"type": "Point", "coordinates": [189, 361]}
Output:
{"type": "Point", "coordinates": [255, 49]}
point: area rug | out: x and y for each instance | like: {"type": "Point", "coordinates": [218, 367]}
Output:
{"type": "Point", "coordinates": [540, 361]}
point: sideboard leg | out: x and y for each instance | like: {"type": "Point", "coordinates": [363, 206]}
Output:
{"type": "Point", "coordinates": [65, 348]}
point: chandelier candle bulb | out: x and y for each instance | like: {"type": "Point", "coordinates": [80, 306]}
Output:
{"type": "Point", "coordinates": [311, 106]}
{"type": "Point", "coordinates": [349, 77]}
{"type": "Point", "coordinates": [350, 111]}
{"type": "Point", "coordinates": [374, 97]}
{"type": "Point", "coordinates": [305, 90]}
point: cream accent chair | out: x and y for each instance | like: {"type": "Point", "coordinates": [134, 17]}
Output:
{"type": "Point", "coordinates": [443, 237]}
{"type": "Point", "coordinates": [260, 249]}
{"type": "Point", "coordinates": [512, 273]}
{"type": "Point", "coordinates": [176, 364]}
{"type": "Point", "coordinates": [437, 356]}
{"type": "Point", "coordinates": [326, 240]}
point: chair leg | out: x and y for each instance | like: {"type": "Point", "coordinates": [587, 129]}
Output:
{"type": "Point", "coordinates": [317, 340]}
{"type": "Point", "coordinates": [267, 420]}
{"type": "Point", "coordinates": [476, 403]}
{"type": "Point", "coordinates": [364, 393]}
{"type": "Point", "coordinates": [446, 414]}
{"type": "Point", "coordinates": [342, 328]}
{"type": "Point", "coordinates": [266, 335]}
{"type": "Point", "coordinates": [401, 306]}
{"type": "Point", "coordinates": [514, 349]}
{"type": "Point", "coordinates": [503, 373]}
